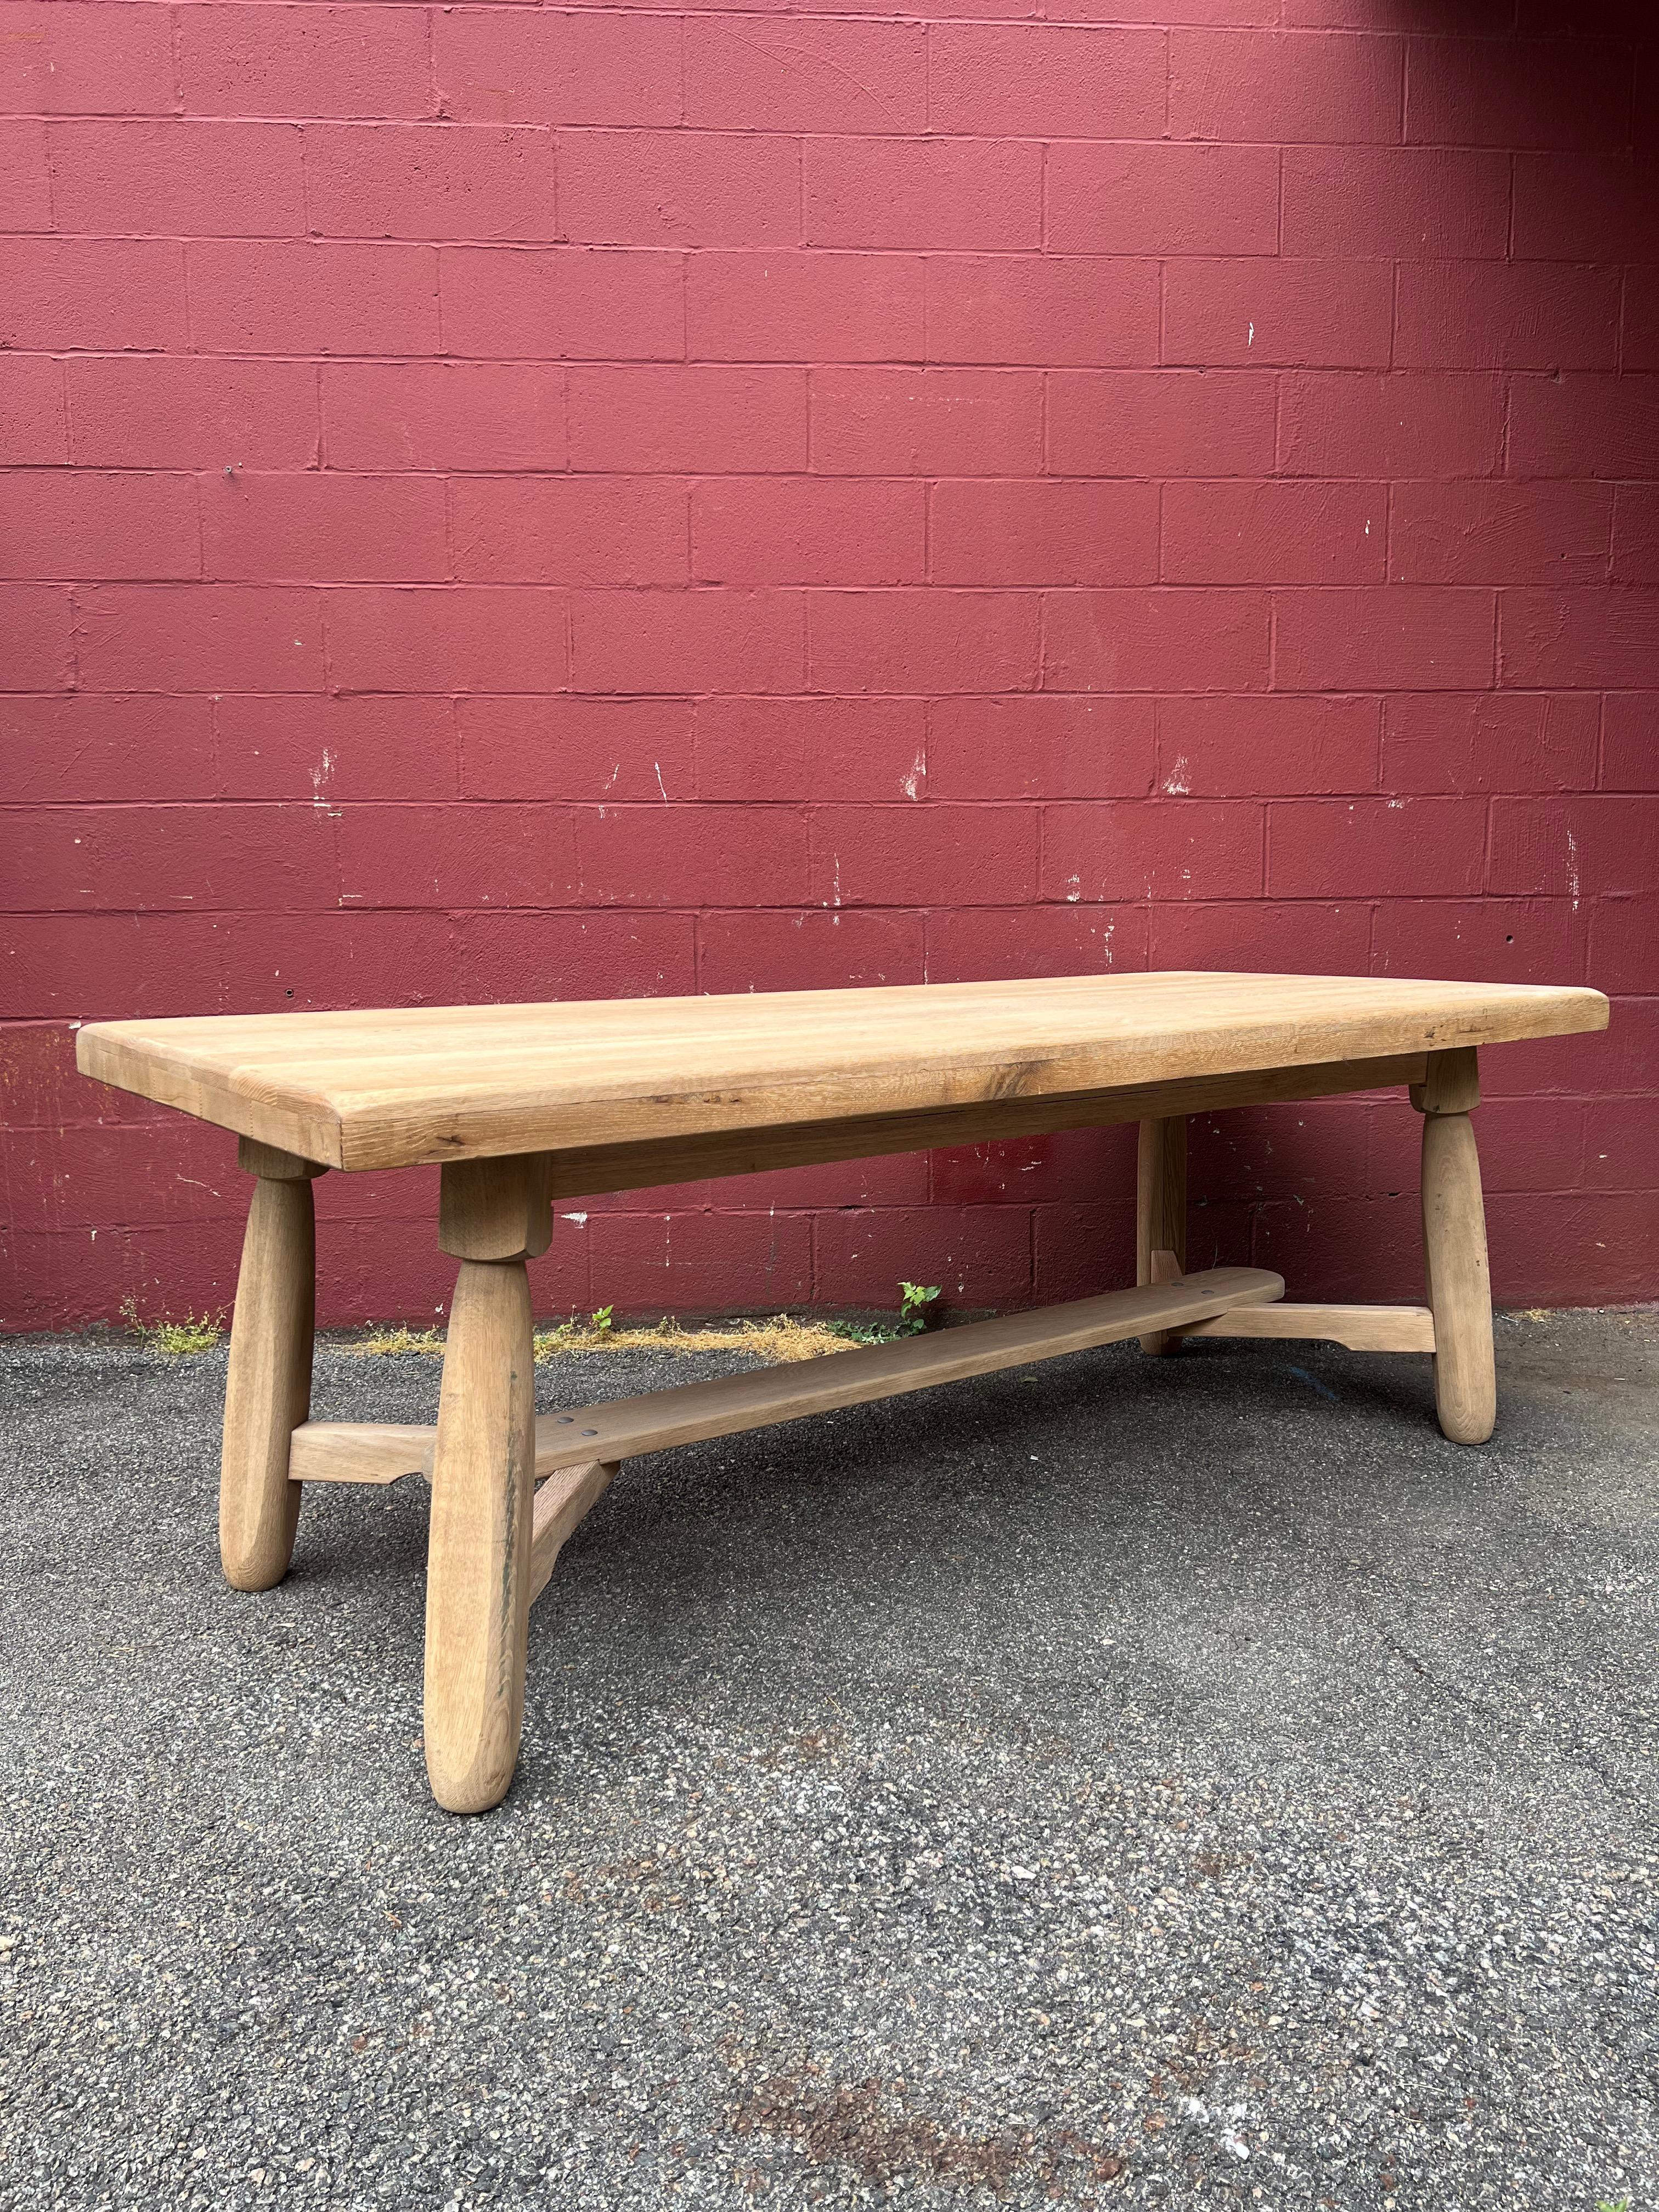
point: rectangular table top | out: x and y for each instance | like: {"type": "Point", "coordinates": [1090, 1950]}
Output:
{"type": "Point", "coordinates": [392, 1089]}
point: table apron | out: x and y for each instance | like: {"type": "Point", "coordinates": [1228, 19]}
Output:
{"type": "Point", "coordinates": [646, 1162]}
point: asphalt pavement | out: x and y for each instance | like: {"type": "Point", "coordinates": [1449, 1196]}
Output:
{"type": "Point", "coordinates": [1124, 1782]}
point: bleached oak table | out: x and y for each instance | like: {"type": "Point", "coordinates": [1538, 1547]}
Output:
{"type": "Point", "coordinates": [526, 1105]}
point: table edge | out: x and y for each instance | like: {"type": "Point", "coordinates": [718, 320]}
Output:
{"type": "Point", "coordinates": [363, 1139]}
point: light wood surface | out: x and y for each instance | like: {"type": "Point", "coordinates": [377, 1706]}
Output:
{"type": "Point", "coordinates": [1362, 1328]}
{"type": "Point", "coordinates": [1460, 1285]}
{"type": "Point", "coordinates": [1451, 1085]}
{"type": "Point", "coordinates": [362, 1451]}
{"type": "Point", "coordinates": [563, 1500]}
{"type": "Point", "coordinates": [358, 1451]}
{"type": "Point", "coordinates": [586, 1172]}
{"type": "Point", "coordinates": [523, 1105]}
{"type": "Point", "coordinates": [391, 1089]}
{"type": "Point", "coordinates": [477, 1575]}
{"type": "Point", "coordinates": [268, 1389]}
{"type": "Point", "coordinates": [695, 1410]}
{"type": "Point", "coordinates": [690, 1412]}
{"type": "Point", "coordinates": [1161, 1211]}
{"type": "Point", "coordinates": [495, 1209]}
{"type": "Point", "coordinates": [276, 1165]}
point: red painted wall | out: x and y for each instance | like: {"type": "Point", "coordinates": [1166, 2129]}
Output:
{"type": "Point", "coordinates": [509, 501]}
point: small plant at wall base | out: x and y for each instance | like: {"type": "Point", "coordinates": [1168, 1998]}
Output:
{"type": "Point", "coordinates": [174, 1340]}
{"type": "Point", "coordinates": [914, 1299]}
{"type": "Point", "coordinates": [782, 1338]}
{"type": "Point", "coordinates": [389, 1342]}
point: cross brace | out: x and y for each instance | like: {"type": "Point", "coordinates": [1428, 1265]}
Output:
{"type": "Point", "coordinates": [372, 1451]}
{"type": "Point", "coordinates": [577, 1453]}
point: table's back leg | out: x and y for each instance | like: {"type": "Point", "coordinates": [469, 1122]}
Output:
{"type": "Point", "coordinates": [1160, 1208]}
{"type": "Point", "coordinates": [1455, 1248]}
{"type": "Point", "coordinates": [268, 1391]}
{"type": "Point", "coordinates": [478, 1556]}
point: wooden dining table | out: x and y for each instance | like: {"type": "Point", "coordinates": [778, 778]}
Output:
{"type": "Point", "coordinates": [524, 1106]}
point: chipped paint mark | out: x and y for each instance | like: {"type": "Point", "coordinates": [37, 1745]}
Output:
{"type": "Point", "coordinates": [657, 769]}
{"type": "Point", "coordinates": [1249, 334]}
{"type": "Point", "coordinates": [322, 779]}
{"type": "Point", "coordinates": [909, 785]}
{"type": "Point", "coordinates": [1572, 870]}
{"type": "Point", "coordinates": [1073, 890]}
{"type": "Point", "coordinates": [1176, 784]}
{"type": "Point", "coordinates": [581, 1219]}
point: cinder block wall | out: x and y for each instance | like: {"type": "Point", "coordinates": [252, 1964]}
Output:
{"type": "Point", "coordinates": [510, 502]}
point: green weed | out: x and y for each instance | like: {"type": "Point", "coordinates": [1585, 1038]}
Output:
{"type": "Point", "coordinates": [914, 1299]}
{"type": "Point", "coordinates": [381, 1341]}
{"type": "Point", "coordinates": [782, 1338]}
{"type": "Point", "coordinates": [174, 1340]}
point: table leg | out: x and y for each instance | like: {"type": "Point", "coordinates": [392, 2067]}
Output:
{"type": "Point", "coordinates": [1161, 1209]}
{"type": "Point", "coordinates": [478, 1554]}
{"type": "Point", "coordinates": [268, 1391]}
{"type": "Point", "coordinates": [1454, 1250]}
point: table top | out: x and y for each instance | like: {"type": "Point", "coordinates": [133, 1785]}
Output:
{"type": "Point", "coordinates": [392, 1089]}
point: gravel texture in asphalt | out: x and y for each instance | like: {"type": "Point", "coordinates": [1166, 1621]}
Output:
{"type": "Point", "coordinates": [1187, 1782]}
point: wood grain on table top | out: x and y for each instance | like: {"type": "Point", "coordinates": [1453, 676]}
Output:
{"type": "Point", "coordinates": [392, 1088]}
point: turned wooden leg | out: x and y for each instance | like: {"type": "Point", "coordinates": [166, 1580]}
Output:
{"type": "Point", "coordinates": [1161, 1211]}
{"type": "Point", "coordinates": [478, 1556]}
{"type": "Point", "coordinates": [1455, 1248]}
{"type": "Point", "coordinates": [268, 1392]}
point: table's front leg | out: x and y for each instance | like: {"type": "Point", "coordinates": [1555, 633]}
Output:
{"type": "Point", "coordinates": [478, 1556]}
{"type": "Point", "coordinates": [268, 1390]}
{"type": "Point", "coordinates": [1455, 1248]}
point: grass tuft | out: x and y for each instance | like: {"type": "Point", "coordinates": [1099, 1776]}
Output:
{"type": "Point", "coordinates": [174, 1340]}
{"type": "Point", "coordinates": [781, 1340]}
{"type": "Point", "coordinates": [381, 1343]}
